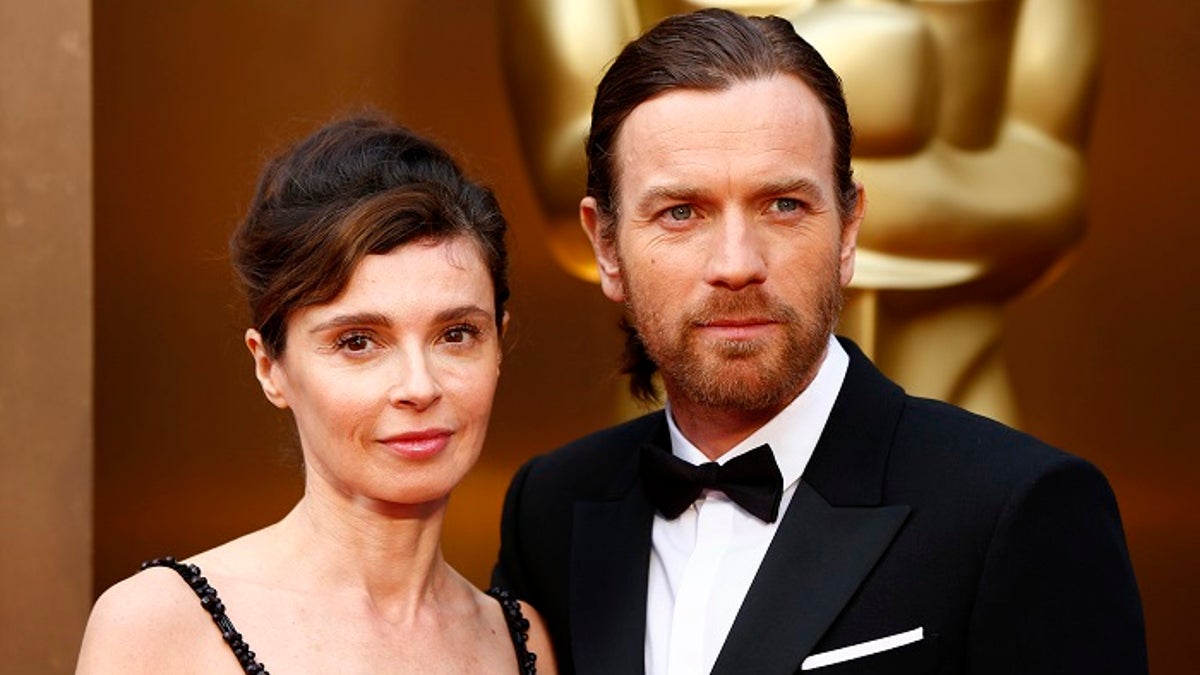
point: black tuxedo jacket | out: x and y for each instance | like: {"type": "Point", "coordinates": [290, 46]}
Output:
{"type": "Point", "coordinates": [912, 513]}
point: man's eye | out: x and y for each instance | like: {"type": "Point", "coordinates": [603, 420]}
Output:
{"type": "Point", "coordinates": [681, 212]}
{"type": "Point", "coordinates": [786, 205]}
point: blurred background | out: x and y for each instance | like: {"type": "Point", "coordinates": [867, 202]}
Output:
{"type": "Point", "coordinates": [131, 133]}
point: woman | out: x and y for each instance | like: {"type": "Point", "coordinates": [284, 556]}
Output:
{"type": "Point", "coordinates": [376, 278]}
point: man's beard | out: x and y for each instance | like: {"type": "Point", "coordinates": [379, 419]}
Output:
{"type": "Point", "coordinates": [760, 374]}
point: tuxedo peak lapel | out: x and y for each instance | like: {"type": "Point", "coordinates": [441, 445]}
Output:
{"type": "Point", "coordinates": [832, 535]}
{"type": "Point", "coordinates": [610, 566]}
{"type": "Point", "coordinates": [819, 557]}
{"type": "Point", "coordinates": [848, 464]}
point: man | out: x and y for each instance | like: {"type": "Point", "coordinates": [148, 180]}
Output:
{"type": "Point", "coordinates": [791, 509]}
{"type": "Point", "coordinates": [970, 127]}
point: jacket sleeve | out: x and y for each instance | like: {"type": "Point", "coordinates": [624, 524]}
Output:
{"type": "Point", "coordinates": [509, 572]}
{"type": "Point", "coordinates": [1057, 592]}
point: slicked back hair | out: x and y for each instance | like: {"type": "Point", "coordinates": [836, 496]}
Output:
{"type": "Point", "coordinates": [706, 50]}
{"type": "Point", "coordinates": [709, 50]}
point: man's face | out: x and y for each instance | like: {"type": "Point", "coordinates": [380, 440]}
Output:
{"type": "Point", "coordinates": [729, 252]}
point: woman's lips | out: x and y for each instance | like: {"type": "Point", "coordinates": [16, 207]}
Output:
{"type": "Point", "coordinates": [418, 444]}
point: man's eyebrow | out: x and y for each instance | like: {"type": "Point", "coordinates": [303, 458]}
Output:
{"type": "Point", "coordinates": [802, 185]}
{"type": "Point", "coordinates": [353, 319]}
{"type": "Point", "coordinates": [657, 194]}
{"type": "Point", "coordinates": [799, 184]}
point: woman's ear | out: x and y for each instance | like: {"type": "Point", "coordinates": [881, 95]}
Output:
{"type": "Point", "coordinates": [503, 332]}
{"type": "Point", "coordinates": [266, 369]}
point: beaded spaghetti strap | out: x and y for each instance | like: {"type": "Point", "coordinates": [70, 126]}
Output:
{"type": "Point", "coordinates": [518, 627]}
{"type": "Point", "coordinates": [213, 605]}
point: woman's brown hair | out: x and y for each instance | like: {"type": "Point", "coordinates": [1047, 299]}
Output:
{"type": "Point", "coordinates": [354, 188]}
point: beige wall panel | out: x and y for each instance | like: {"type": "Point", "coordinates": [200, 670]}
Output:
{"type": "Point", "coordinates": [45, 333]}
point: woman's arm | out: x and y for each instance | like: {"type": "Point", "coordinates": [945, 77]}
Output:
{"type": "Point", "coordinates": [539, 641]}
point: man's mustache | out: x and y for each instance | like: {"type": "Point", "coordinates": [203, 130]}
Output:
{"type": "Point", "coordinates": [749, 303]}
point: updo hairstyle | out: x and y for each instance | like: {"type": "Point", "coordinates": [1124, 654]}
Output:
{"type": "Point", "coordinates": [354, 188]}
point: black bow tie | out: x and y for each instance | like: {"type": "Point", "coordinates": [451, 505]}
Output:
{"type": "Point", "coordinates": [751, 480]}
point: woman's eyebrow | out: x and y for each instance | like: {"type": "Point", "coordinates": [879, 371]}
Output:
{"type": "Point", "coordinates": [463, 312]}
{"type": "Point", "coordinates": [354, 319]}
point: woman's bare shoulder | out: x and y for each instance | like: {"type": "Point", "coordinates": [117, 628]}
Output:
{"type": "Point", "coordinates": [142, 624]}
{"type": "Point", "coordinates": [138, 624]}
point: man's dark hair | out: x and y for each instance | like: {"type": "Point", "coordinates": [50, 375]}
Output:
{"type": "Point", "coordinates": [707, 50]}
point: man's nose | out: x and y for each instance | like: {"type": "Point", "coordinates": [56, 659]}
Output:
{"type": "Point", "coordinates": [414, 382]}
{"type": "Point", "coordinates": [737, 257]}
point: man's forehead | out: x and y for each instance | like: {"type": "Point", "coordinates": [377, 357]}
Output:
{"type": "Point", "coordinates": [758, 125]}
{"type": "Point", "coordinates": [787, 92]}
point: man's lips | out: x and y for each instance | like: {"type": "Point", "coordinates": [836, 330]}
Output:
{"type": "Point", "coordinates": [733, 329]}
{"type": "Point", "coordinates": [418, 444]}
{"type": "Point", "coordinates": [727, 322]}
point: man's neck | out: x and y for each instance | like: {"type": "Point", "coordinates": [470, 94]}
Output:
{"type": "Point", "coordinates": [715, 431]}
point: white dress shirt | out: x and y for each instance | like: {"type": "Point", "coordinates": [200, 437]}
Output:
{"type": "Point", "coordinates": [702, 563]}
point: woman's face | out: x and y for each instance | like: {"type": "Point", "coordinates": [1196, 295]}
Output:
{"type": "Point", "coordinates": [391, 383]}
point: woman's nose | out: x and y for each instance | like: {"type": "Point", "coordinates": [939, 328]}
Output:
{"type": "Point", "coordinates": [415, 384]}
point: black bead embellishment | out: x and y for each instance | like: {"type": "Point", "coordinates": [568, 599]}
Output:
{"type": "Point", "coordinates": [216, 609]}
{"type": "Point", "coordinates": [518, 625]}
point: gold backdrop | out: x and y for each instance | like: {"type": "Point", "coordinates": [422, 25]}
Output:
{"type": "Point", "coordinates": [191, 96]}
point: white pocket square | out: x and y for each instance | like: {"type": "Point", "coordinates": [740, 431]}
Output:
{"type": "Point", "coordinates": [862, 649]}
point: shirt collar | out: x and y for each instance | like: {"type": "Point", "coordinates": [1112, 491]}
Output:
{"type": "Point", "coordinates": [793, 433]}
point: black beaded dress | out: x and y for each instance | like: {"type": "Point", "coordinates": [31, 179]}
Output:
{"type": "Point", "coordinates": [518, 625]}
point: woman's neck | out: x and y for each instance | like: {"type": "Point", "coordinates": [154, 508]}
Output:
{"type": "Point", "coordinates": [389, 553]}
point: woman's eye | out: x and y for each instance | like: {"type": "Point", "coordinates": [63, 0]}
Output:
{"type": "Point", "coordinates": [681, 212]}
{"type": "Point", "coordinates": [354, 342]}
{"type": "Point", "coordinates": [460, 334]}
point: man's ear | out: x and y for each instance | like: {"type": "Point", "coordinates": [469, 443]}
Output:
{"type": "Point", "coordinates": [605, 248]}
{"type": "Point", "coordinates": [849, 240]}
{"type": "Point", "coordinates": [266, 369]}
